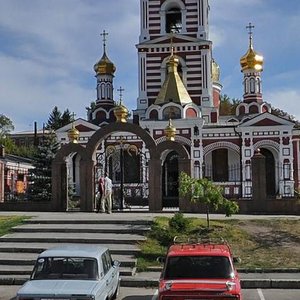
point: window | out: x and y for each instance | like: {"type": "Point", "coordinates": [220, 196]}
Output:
{"type": "Point", "coordinates": [173, 20]}
{"type": "Point", "coordinates": [198, 267]}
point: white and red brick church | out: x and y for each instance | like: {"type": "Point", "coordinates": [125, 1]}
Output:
{"type": "Point", "coordinates": [179, 87]}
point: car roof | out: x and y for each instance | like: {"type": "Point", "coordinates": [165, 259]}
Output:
{"type": "Point", "coordinates": [205, 249]}
{"type": "Point", "coordinates": [75, 250]}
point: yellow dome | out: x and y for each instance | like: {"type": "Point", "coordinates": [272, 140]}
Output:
{"type": "Point", "coordinates": [215, 71]}
{"type": "Point", "coordinates": [104, 66]}
{"type": "Point", "coordinates": [252, 60]}
{"type": "Point", "coordinates": [73, 135]}
{"type": "Point", "coordinates": [170, 131]}
{"type": "Point", "coordinates": [121, 112]}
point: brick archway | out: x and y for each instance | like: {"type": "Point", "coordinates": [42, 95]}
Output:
{"type": "Point", "coordinates": [184, 165]}
{"type": "Point", "coordinates": [59, 191]}
{"type": "Point", "coordinates": [59, 176]}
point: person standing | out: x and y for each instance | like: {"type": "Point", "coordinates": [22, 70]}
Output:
{"type": "Point", "coordinates": [100, 193]}
{"type": "Point", "coordinates": [107, 201]}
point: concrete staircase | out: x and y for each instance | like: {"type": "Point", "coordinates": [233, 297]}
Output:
{"type": "Point", "coordinates": [20, 248]}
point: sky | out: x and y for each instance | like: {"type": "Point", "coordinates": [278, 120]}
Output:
{"type": "Point", "coordinates": [48, 49]}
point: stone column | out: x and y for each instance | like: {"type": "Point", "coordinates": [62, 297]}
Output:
{"type": "Point", "coordinates": [59, 186]}
{"type": "Point", "coordinates": [259, 190]}
{"type": "Point", "coordinates": [87, 191]}
{"type": "Point", "coordinates": [155, 188]}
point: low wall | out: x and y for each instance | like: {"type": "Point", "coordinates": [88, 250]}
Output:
{"type": "Point", "coordinates": [26, 206]}
{"type": "Point", "coordinates": [284, 206]}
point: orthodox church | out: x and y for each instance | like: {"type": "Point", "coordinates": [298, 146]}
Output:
{"type": "Point", "coordinates": [178, 99]}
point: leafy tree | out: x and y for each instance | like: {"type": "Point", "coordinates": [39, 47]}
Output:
{"type": "Point", "coordinates": [228, 105]}
{"type": "Point", "coordinates": [40, 187]}
{"type": "Point", "coordinates": [57, 119]}
{"type": "Point", "coordinates": [6, 125]}
{"type": "Point", "coordinates": [205, 192]}
{"type": "Point", "coordinates": [280, 113]}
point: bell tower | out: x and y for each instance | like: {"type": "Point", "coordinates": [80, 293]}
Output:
{"type": "Point", "coordinates": [185, 22]}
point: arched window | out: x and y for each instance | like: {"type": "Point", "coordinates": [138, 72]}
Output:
{"type": "Point", "coordinates": [172, 112]}
{"type": "Point", "coordinates": [173, 20]}
{"type": "Point", "coordinates": [100, 116]}
{"type": "Point", "coordinates": [102, 90]}
{"type": "Point", "coordinates": [253, 109]}
{"type": "Point", "coordinates": [191, 113]}
{"type": "Point", "coordinates": [252, 85]}
{"type": "Point", "coordinates": [241, 110]}
{"type": "Point", "coordinates": [153, 114]}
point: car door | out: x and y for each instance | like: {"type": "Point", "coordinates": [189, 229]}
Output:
{"type": "Point", "coordinates": [109, 273]}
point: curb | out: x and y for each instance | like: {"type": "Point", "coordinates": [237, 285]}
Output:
{"type": "Point", "coordinates": [245, 283]}
{"type": "Point", "coordinates": [127, 281]}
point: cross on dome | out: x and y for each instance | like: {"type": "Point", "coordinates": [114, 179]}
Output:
{"type": "Point", "coordinates": [104, 34]}
{"type": "Point", "coordinates": [250, 32]}
{"type": "Point", "coordinates": [120, 94]}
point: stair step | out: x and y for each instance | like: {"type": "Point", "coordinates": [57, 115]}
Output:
{"type": "Point", "coordinates": [25, 270]}
{"type": "Point", "coordinates": [59, 237]}
{"type": "Point", "coordinates": [90, 221]}
{"type": "Point", "coordinates": [126, 249]}
{"type": "Point", "coordinates": [7, 258]}
{"type": "Point", "coordinates": [78, 228]}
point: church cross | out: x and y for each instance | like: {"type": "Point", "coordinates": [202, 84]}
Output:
{"type": "Point", "coordinates": [121, 90]}
{"type": "Point", "coordinates": [104, 34]}
{"type": "Point", "coordinates": [250, 27]}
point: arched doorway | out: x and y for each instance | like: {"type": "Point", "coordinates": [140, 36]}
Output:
{"type": "Point", "coordinates": [170, 175]}
{"type": "Point", "coordinates": [270, 171]}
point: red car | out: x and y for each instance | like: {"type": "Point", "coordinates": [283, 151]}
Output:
{"type": "Point", "coordinates": [200, 270]}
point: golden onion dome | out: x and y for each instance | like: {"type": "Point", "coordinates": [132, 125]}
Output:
{"type": "Point", "coordinates": [121, 112]}
{"type": "Point", "coordinates": [252, 60]}
{"type": "Point", "coordinates": [104, 66]}
{"type": "Point", "coordinates": [73, 135]}
{"type": "Point", "coordinates": [215, 71]}
{"type": "Point", "coordinates": [170, 131]}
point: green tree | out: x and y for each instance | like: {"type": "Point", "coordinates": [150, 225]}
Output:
{"type": "Point", "coordinates": [205, 192]}
{"type": "Point", "coordinates": [40, 187]}
{"type": "Point", "coordinates": [6, 126]}
{"type": "Point", "coordinates": [57, 119]}
{"type": "Point", "coordinates": [228, 105]}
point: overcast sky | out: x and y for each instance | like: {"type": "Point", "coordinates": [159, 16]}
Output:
{"type": "Point", "coordinates": [48, 49]}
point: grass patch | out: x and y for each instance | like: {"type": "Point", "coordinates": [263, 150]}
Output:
{"type": "Point", "coordinates": [269, 243]}
{"type": "Point", "coordinates": [7, 222]}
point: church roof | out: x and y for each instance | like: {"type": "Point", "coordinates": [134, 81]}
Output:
{"type": "Point", "coordinates": [173, 89]}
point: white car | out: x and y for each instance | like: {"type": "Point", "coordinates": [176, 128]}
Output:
{"type": "Point", "coordinates": [73, 272]}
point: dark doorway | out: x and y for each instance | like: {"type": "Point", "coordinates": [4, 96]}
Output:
{"type": "Point", "coordinates": [220, 165]}
{"type": "Point", "coordinates": [270, 171]}
{"type": "Point", "coordinates": [170, 179]}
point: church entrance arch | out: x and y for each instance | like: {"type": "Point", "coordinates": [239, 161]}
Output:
{"type": "Point", "coordinates": [170, 178]}
{"type": "Point", "coordinates": [124, 150]}
{"type": "Point", "coordinates": [68, 177]}
{"type": "Point", "coordinates": [270, 171]}
{"type": "Point", "coordinates": [174, 159]}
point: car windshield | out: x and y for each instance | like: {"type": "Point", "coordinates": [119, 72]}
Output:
{"type": "Point", "coordinates": [198, 267]}
{"type": "Point", "coordinates": [77, 268]}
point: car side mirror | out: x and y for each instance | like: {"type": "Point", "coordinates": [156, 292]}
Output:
{"type": "Point", "coordinates": [161, 259]}
{"type": "Point", "coordinates": [116, 263]}
{"type": "Point", "coordinates": [237, 260]}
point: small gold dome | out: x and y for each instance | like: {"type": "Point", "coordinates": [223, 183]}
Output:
{"type": "Point", "coordinates": [170, 131]}
{"type": "Point", "coordinates": [73, 135]}
{"type": "Point", "coordinates": [104, 66]}
{"type": "Point", "coordinates": [121, 112]}
{"type": "Point", "coordinates": [215, 71]}
{"type": "Point", "coordinates": [252, 60]}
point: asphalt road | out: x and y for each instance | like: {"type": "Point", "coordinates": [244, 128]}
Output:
{"type": "Point", "coordinates": [9, 292]}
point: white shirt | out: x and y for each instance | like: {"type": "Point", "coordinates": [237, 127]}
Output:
{"type": "Point", "coordinates": [107, 184]}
